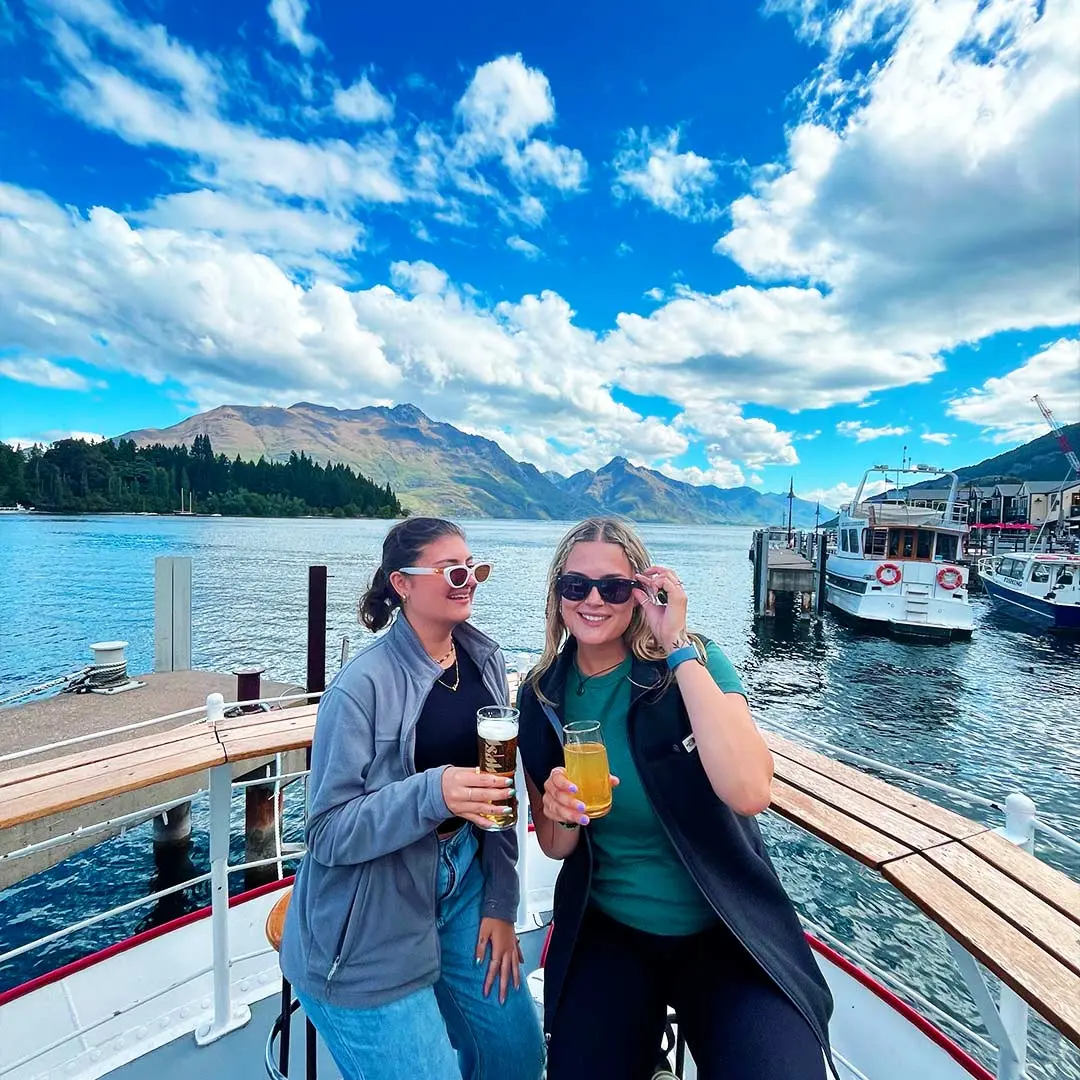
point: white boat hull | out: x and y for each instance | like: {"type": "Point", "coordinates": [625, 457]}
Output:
{"type": "Point", "coordinates": [916, 605]}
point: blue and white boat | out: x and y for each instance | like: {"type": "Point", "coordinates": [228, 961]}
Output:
{"type": "Point", "coordinates": [1037, 587]}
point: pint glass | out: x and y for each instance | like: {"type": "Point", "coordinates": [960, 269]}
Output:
{"type": "Point", "coordinates": [497, 735]}
{"type": "Point", "coordinates": [585, 757]}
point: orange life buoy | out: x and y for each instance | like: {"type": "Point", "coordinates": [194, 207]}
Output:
{"type": "Point", "coordinates": [948, 577]}
{"type": "Point", "coordinates": [888, 573]}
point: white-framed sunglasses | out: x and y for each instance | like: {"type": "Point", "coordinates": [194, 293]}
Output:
{"type": "Point", "coordinates": [458, 576]}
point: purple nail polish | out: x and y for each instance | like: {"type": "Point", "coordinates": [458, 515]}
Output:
{"type": "Point", "coordinates": [580, 806]}
{"type": "Point", "coordinates": [573, 788]}
{"type": "Point", "coordinates": [583, 820]}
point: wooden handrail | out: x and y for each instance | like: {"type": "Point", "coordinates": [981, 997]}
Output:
{"type": "Point", "coordinates": [1017, 915]}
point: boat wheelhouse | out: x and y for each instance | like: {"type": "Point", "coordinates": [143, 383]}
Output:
{"type": "Point", "coordinates": [897, 560]}
{"type": "Point", "coordinates": [1040, 588]}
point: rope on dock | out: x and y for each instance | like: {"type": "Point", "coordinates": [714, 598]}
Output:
{"type": "Point", "coordinates": [44, 686]}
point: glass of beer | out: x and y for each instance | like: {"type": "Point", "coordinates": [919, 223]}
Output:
{"type": "Point", "coordinates": [585, 757]}
{"type": "Point", "coordinates": [497, 735]}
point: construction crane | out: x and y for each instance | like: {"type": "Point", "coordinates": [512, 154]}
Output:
{"type": "Point", "coordinates": [1059, 434]}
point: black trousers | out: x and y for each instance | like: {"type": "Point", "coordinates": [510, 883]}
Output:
{"type": "Point", "coordinates": [737, 1022]}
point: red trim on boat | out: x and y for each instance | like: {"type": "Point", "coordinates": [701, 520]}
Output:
{"type": "Point", "coordinates": [51, 977]}
{"type": "Point", "coordinates": [916, 1019]}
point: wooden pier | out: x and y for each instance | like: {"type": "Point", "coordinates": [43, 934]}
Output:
{"type": "Point", "coordinates": [89, 725]}
{"type": "Point", "coordinates": [788, 565]}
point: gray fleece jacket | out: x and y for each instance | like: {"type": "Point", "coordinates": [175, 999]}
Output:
{"type": "Point", "coordinates": [360, 929]}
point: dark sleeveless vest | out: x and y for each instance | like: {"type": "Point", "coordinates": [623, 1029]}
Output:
{"type": "Point", "coordinates": [722, 850]}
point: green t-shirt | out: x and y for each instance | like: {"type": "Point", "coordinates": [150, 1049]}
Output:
{"type": "Point", "coordinates": [638, 877]}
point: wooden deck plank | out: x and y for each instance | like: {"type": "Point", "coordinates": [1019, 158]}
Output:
{"type": "Point", "coordinates": [1055, 932]}
{"type": "Point", "coordinates": [862, 842]}
{"type": "Point", "coordinates": [930, 814]}
{"type": "Point", "coordinates": [234, 724]}
{"type": "Point", "coordinates": [1043, 981]}
{"type": "Point", "coordinates": [877, 815]}
{"type": "Point", "coordinates": [1040, 878]}
{"type": "Point", "coordinates": [91, 783]}
{"type": "Point", "coordinates": [75, 769]}
{"type": "Point", "coordinates": [48, 766]}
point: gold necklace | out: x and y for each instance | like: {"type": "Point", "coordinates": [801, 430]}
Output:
{"type": "Point", "coordinates": [457, 676]}
{"type": "Point", "coordinates": [446, 656]}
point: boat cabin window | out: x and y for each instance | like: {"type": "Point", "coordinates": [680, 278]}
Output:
{"type": "Point", "coordinates": [947, 545]}
{"type": "Point", "coordinates": [926, 544]}
{"type": "Point", "coordinates": [878, 543]}
{"type": "Point", "coordinates": [1040, 573]}
{"type": "Point", "coordinates": [1066, 575]}
{"type": "Point", "coordinates": [853, 540]}
{"type": "Point", "coordinates": [1013, 569]}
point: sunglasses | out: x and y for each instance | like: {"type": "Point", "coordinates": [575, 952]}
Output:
{"type": "Point", "coordinates": [458, 576]}
{"type": "Point", "coordinates": [612, 590]}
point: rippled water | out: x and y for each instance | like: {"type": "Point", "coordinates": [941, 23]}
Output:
{"type": "Point", "coordinates": [996, 714]}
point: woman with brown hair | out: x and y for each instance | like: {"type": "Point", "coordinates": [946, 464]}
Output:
{"type": "Point", "coordinates": [670, 898]}
{"type": "Point", "coordinates": [399, 938]}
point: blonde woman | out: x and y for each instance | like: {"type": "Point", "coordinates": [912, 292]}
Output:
{"type": "Point", "coordinates": [669, 899]}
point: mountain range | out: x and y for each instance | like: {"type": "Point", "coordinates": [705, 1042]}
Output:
{"type": "Point", "coordinates": [434, 468]}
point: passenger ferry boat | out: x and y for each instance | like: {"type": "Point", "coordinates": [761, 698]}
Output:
{"type": "Point", "coordinates": [202, 995]}
{"type": "Point", "coordinates": [1040, 588]}
{"type": "Point", "coordinates": [896, 564]}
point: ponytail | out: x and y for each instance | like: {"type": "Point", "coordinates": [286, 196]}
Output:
{"type": "Point", "coordinates": [403, 546]}
{"type": "Point", "coordinates": [378, 603]}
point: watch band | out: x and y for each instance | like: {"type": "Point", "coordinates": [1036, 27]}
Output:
{"type": "Point", "coordinates": [681, 655]}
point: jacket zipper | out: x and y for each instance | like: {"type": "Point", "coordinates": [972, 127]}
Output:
{"type": "Point", "coordinates": [719, 914]}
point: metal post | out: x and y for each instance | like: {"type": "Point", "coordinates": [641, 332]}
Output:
{"type": "Point", "coordinates": [822, 555]}
{"type": "Point", "coordinates": [172, 613]}
{"type": "Point", "coordinates": [227, 1017]}
{"type": "Point", "coordinates": [316, 630]}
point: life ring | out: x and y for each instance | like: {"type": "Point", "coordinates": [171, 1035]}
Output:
{"type": "Point", "coordinates": [888, 573]}
{"type": "Point", "coordinates": [948, 577]}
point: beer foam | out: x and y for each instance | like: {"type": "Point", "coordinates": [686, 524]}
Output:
{"type": "Point", "coordinates": [497, 730]}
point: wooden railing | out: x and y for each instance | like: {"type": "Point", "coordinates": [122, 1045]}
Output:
{"type": "Point", "coordinates": [999, 904]}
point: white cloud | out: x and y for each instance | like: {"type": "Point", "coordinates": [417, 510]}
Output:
{"type": "Point", "coordinates": [501, 107]}
{"type": "Point", "coordinates": [523, 247]}
{"type": "Point", "coordinates": [942, 438]}
{"type": "Point", "coordinates": [654, 170]}
{"type": "Point", "coordinates": [1003, 408]}
{"type": "Point", "coordinates": [362, 103]}
{"type": "Point", "coordinates": [36, 371]}
{"type": "Point", "coordinates": [722, 475]}
{"type": "Point", "coordinates": [655, 294]}
{"type": "Point", "coordinates": [784, 346]}
{"type": "Point", "coordinates": [219, 152]}
{"type": "Point", "coordinates": [932, 190]}
{"type": "Point", "coordinates": [841, 494]}
{"type": "Point", "coordinates": [47, 438]}
{"type": "Point", "coordinates": [624, 249]}
{"type": "Point", "coordinates": [296, 236]}
{"type": "Point", "coordinates": [854, 429]}
{"type": "Point", "coordinates": [289, 16]}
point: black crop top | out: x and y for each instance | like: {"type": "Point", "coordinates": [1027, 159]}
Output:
{"type": "Point", "coordinates": [446, 730]}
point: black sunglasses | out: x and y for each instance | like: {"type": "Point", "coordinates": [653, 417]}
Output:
{"type": "Point", "coordinates": [612, 590]}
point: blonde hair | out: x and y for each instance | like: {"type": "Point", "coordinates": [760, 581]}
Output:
{"type": "Point", "coordinates": [638, 637]}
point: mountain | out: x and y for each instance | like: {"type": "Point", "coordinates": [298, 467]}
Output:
{"type": "Point", "coordinates": [433, 468]}
{"type": "Point", "coordinates": [646, 495]}
{"type": "Point", "coordinates": [1040, 459]}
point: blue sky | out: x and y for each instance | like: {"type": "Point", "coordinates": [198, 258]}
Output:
{"type": "Point", "coordinates": [736, 243]}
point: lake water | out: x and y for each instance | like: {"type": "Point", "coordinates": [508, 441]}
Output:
{"type": "Point", "coordinates": [993, 715]}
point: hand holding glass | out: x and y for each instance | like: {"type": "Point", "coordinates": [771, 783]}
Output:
{"type": "Point", "coordinates": [497, 736]}
{"type": "Point", "coordinates": [585, 757]}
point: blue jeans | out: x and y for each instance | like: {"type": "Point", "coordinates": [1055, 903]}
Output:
{"type": "Point", "coordinates": [449, 1031]}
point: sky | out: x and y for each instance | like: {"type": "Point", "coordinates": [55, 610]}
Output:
{"type": "Point", "coordinates": [733, 242]}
